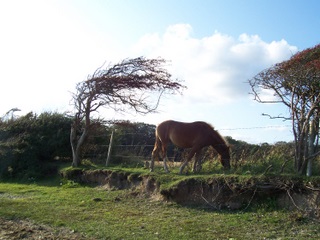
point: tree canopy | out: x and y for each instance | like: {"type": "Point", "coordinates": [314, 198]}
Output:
{"type": "Point", "coordinates": [296, 84]}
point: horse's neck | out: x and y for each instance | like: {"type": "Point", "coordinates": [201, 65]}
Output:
{"type": "Point", "coordinates": [219, 144]}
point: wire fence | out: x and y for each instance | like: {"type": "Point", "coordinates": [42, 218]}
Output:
{"type": "Point", "coordinates": [143, 151]}
{"type": "Point", "coordinates": [249, 128]}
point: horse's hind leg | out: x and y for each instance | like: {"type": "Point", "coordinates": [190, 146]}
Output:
{"type": "Point", "coordinates": [165, 166]}
{"type": "Point", "coordinates": [159, 146]}
{"type": "Point", "coordinates": [165, 158]}
{"type": "Point", "coordinates": [155, 152]}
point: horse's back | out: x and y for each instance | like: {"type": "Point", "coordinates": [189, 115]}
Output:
{"type": "Point", "coordinates": [171, 125]}
{"type": "Point", "coordinates": [183, 134]}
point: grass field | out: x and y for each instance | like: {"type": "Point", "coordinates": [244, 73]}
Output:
{"type": "Point", "coordinates": [124, 215]}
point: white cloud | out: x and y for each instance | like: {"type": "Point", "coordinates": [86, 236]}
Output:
{"type": "Point", "coordinates": [45, 50]}
{"type": "Point", "coordinates": [215, 68]}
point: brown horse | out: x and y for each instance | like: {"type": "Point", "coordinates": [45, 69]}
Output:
{"type": "Point", "coordinates": [196, 136]}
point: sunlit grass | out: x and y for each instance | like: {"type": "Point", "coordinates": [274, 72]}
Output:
{"type": "Point", "coordinates": [123, 215]}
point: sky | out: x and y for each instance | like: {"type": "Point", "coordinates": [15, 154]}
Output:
{"type": "Point", "coordinates": [215, 47]}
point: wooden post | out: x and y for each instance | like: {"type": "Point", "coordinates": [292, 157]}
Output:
{"type": "Point", "coordinates": [109, 149]}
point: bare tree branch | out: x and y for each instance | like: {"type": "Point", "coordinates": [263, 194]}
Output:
{"type": "Point", "coordinates": [276, 117]}
{"type": "Point", "coordinates": [136, 84]}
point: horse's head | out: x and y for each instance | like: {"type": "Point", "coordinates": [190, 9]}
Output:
{"type": "Point", "coordinates": [224, 152]}
{"type": "Point", "coordinates": [222, 147]}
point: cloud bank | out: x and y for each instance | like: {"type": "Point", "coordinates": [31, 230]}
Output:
{"type": "Point", "coordinates": [215, 68]}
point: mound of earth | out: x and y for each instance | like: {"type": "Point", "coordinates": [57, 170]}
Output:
{"type": "Point", "coordinates": [218, 192]}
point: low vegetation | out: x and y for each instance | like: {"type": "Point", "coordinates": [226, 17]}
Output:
{"type": "Point", "coordinates": [122, 214]}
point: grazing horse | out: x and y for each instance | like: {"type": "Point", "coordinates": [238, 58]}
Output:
{"type": "Point", "coordinates": [196, 136]}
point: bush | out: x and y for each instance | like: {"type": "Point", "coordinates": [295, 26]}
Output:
{"type": "Point", "coordinates": [30, 142]}
{"type": "Point", "coordinates": [254, 159]}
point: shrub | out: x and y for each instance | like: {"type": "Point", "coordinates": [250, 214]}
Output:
{"type": "Point", "coordinates": [30, 142]}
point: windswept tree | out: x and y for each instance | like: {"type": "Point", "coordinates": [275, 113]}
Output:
{"type": "Point", "coordinates": [133, 84]}
{"type": "Point", "coordinates": [296, 84]}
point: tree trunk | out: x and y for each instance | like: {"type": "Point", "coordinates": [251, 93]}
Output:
{"type": "Point", "coordinates": [73, 142]}
{"type": "Point", "coordinates": [76, 161]}
{"type": "Point", "coordinates": [76, 144]}
{"type": "Point", "coordinates": [314, 128]}
{"type": "Point", "coordinates": [300, 151]}
{"type": "Point", "coordinates": [304, 147]}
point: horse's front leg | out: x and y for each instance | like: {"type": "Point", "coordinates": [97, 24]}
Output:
{"type": "Point", "coordinates": [197, 166]}
{"type": "Point", "coordinates": [184, 164]}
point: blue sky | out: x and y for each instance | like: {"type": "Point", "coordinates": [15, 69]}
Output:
{"type": "Point", "coordinates": [214, 46]}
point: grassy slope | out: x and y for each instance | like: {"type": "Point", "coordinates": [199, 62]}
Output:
{"type": "Point", "coordinates": [122, 215]}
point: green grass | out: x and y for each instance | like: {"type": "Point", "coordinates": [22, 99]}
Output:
{"type": "Point", "coordinates": [124, 215]}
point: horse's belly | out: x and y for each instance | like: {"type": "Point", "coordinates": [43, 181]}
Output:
{"type": "Point", "coordinates": [182, 142]}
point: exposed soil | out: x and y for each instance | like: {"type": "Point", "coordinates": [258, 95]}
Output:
{"type": "Point", "coordinates": [218, 193]}
{"type": "Point", "coordinates": [224, 192]}
{"type": "Point", "coordinates": [25, 229]}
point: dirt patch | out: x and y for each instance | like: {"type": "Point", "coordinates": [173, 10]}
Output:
{"type": "Point", "coordinates": [26, 229]}
{"type": "Point", "coordinates": [232, 194]}
{"type": "Point", "coordinates": [106, 178]}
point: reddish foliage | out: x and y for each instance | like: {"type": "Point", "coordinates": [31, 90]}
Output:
{"type": "Point", "coordinates": [308, 58]}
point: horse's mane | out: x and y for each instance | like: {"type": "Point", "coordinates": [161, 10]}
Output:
{"type": "Point", "coordinates": [205, 124]}
{"type": "Point", "coordinates": [211, 127]}
{"type": "Point", "coordinates": [223, 138]}
{"type": "Point", "coordinates": [216, 131]}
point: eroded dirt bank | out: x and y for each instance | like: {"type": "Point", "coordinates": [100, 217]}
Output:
{"type": "Point", "coordinates": [219, 192]}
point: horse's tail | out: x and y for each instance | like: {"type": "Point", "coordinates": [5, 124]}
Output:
{"type": "Point", "coordinates": [155, 151]}
{"type": "Point", "coordinates": [157, 146]}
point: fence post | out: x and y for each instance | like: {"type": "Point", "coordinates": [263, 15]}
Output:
{"type": "Point", "coordinates": [109, 148]}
